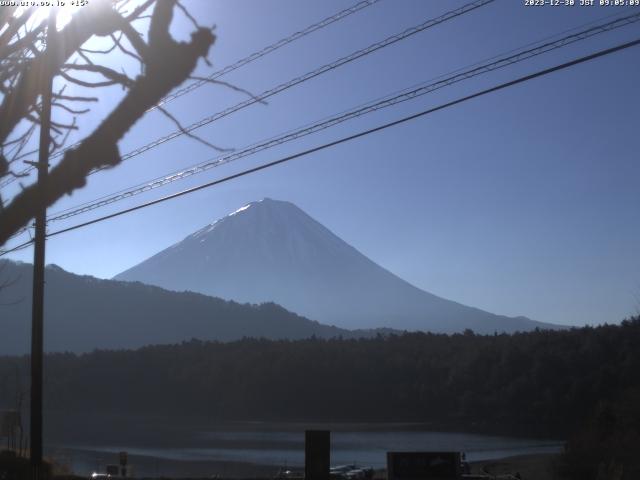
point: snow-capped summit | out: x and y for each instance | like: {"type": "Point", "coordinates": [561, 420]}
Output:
{"type": "Point", "coordinates": [270, 250]}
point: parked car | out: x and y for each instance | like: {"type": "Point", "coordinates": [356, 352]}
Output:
{"type": "Point", "coordinates": [350, 472]}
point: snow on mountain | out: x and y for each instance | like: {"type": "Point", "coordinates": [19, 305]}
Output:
{"type": "Point", "coordinates": [271, 250]}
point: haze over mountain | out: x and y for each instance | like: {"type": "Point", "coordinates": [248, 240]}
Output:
{"type": "Point", "coordinates": [271, 250]}
{"type": "Point", "coordinates": [83, 313]}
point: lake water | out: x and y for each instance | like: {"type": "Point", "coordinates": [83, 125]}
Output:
{"type": "Point", "coordinates": [286, 447]}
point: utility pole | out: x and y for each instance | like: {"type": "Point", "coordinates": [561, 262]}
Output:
{"type": "Point", "coordinates": [37, 308]}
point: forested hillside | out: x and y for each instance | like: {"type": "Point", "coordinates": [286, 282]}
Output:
{"type": "Point", "coordinates": [538, 383]}
{"type": "Point", "coordinates": [84, 313]}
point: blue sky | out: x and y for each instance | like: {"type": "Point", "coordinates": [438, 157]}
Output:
{"type": "Point", "coordinates": [522, 202]}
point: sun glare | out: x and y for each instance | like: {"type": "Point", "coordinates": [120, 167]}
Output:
{"type": "Point", "coordinates": [41, 14]}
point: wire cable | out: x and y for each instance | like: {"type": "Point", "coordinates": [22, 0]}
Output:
{"type": "Point", "coordinates": [267, 50]}
{"type": "Point", "coordinates": [298, 80]}
{"type": "Point", "coordinates": [242, 62]}
{"type": "Point", "coordinates": [328, 122]}
{"type": "Point", "coordinates": [439, 77]}
{"type": "Point", "coordinates": [306, 77]}
{"type": "Point", "coordinates": [540, 73]}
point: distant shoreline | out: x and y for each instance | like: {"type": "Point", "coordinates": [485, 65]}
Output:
{"type": "Point", "coordinates": [108, 427]}
{"type": "Point", "coordinates": [533, 466]}
{"type": "Point", "coordinates": [252, 454]}
{"type": "Point", "coordinates": [193, 446]}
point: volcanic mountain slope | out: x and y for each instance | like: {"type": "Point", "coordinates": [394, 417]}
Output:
{"type": "Point", "coordinates": [273, 251]}
{"type": "Point", "coordinates": [84, 313]}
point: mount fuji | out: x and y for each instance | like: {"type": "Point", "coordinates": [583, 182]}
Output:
{"type": "Point", "coordinates": [272, 251]}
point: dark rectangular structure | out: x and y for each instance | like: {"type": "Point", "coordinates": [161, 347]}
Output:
{"type": "Point", "coordinates": [424, 466]}
{"type": "Point", "coordinates": [317, 454]}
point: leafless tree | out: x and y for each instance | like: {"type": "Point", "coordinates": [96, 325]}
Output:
{"type": "Point", "coordinates": [164, 62]}
{"type": "Point", "coordinates": [14, 393]}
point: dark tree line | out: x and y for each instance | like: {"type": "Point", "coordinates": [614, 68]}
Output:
{"type": "Point", "coordinates": [582, 385]}
{"type": "Point", "coordinates": [540, 383]}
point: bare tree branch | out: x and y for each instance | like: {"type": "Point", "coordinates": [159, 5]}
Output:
{"type": "Point", "coordinates": [97, 18]}
{"type": "Point", "coordinates": [69, 109]}
{"type": "Point", "coordinates": [231, 86]}
{"type": "Point", "coordinates": [135, 40]}
{"type": "Point", "coordinates": [74, 98]}
{"type": "Point", "coordinates": [82, 83]}
{"type": "Point", "coordinates": [167, 64]}
{"type": "Point", "coordinates": [136, 14]}
{"type": "Point", "coordinates": [188, 15]}
{"type": "Point", "coordinates": [104, 71]}
{"type": "Point", "coordinates": [191, 135]}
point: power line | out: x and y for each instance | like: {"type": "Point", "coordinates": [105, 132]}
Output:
{"type": "Point", "coordinates": [307, 76]}
{"type": "Point", "coordinates": [300, 79]}
{"type": "Point", "coordinates": [370, 107]}
{"type": "Point", "coordinates": [269, 49]}
{"type": "Point", "coordinates": [240, 63]}
{"type": "Point", "coordinates": [604, 27]}
{"type": "Point", "coordinates": [324, 146]}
